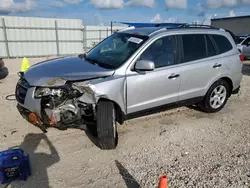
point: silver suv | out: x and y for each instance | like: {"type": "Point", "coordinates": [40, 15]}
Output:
{"type": "Point", "coordinates": [136, 71]}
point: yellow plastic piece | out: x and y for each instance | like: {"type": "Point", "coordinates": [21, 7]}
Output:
{"type": "Point", "coordinates": [25, 64]}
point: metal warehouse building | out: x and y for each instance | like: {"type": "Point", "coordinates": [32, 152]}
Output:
{"type": "Point", "coordinates": [238, 25]}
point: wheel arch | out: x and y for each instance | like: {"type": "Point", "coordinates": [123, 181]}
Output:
{"type": "Point", "coordinates": [230, 83]}
{"type": "Point", "coordinates": [120, 115]}
{"type": "Point", "coordinates": [225, 78]}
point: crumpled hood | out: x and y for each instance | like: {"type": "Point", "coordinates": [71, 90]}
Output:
{"type": "Point", "coordinates": [56, 72]}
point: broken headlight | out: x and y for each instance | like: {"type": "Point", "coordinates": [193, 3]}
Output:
{"type": "Point", "coordinates": [45, 92]}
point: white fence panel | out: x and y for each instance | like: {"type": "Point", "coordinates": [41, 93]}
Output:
{"type": "Point", "coordinates": [3, 52]}
{"type": "Point", "coordinates": [37, 36]}
{"type": "Point", "coordinates": [95, 34]}
{"type": "Point", "coordinates": [28, 36]}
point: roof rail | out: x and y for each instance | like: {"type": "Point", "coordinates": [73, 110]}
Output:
{"type": "Point", "coordinates": [152, 24]}
{"type": "Point", "coordinates": [198, 26]}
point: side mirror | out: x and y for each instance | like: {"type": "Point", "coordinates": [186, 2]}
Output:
{"type": "Point", "coordinates": [144, 65]}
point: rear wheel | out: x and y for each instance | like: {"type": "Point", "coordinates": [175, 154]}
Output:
{"type": "Point", "coordinates": [216, 97]}
{"type": "Point", "coordinates": [106, 125]}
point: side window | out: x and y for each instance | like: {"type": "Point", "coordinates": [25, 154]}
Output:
{"type": "Point", "coordinates": [246, 42]}
{"type": "Point", "coordinates": [194, 47]}
{"type": "Point", "coordinates": [210, 47]}
{"type": "Point", "coordinates": [223, 44]}
{"type": "Point", "coordinates": [161, 52]}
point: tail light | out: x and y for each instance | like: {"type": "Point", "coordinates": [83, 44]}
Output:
{"type": "Point", "coordinates": [242, 57]}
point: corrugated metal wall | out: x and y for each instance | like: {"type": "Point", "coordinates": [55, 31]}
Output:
{"type": "Point", "coordinates": [95, 34]}
{"type": "Point", "coordinates": [33, 37]}
{"type": "Point", "coordinates": [37, 36]}
{"type": "Point", "coordinates": [239, 26]}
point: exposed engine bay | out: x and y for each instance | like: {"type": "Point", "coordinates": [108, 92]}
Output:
{"type": "Point", "coordinates": [62, 107]}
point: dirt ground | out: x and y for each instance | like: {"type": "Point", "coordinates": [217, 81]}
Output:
{"type": "Point", "coordinates": [194, 149]}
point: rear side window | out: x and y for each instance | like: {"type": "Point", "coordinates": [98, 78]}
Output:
{"type": "Point", "coordinates": [194, 47]}
{"type": "Point", "coordinates": [223, 44]}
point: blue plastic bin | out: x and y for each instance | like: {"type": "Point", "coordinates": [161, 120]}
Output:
{"type": "Point", "coordinates": [14, 165]}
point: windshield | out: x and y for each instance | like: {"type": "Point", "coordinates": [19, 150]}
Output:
{"type": "Point", "coordinates": [115, 50]}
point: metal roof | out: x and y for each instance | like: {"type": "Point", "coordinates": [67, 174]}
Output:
{"type": "Point", "coordinates": [231, 18]}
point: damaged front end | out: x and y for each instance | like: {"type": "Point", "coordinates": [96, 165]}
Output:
{"type": "Point", "coordinates": [71, 105]}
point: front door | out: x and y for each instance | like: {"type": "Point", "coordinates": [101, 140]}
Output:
{"type": "Point", "coordinates": [149, 89]}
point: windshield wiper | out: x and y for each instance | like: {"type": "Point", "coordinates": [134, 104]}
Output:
{"type": "Point", "coordinates": [99, 63]}
{"type": "Point", "coordinates": [82, 55]}
{"type": "Point", "coordinates": [92, 61]}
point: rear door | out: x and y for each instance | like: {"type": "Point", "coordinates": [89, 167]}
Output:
{"type": "Point", "coordinates": [199, 65]}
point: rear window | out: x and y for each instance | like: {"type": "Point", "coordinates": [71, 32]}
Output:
{"type": "Point", "coordinates": [223, 44]}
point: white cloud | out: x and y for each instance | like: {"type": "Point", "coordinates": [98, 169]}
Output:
{"type": "Point", "coordinates": [246, 2]}
{"type": "Point", "coordinates": [198, 10]}
{"type": "Point", "coordinates": [156, 18]}
{"type": "Point", "coordinates": [232, 13]}
{"type": "Point", "coordinates": [171, 20]}
{"type": "Point", "coordinates": [207, 20]}
{"type": "Point", "coordinates": [73, 1]}
{"type": "Point", "coordinates": [8, 6]}
{"type": "Point", "coordinates": [108, 4]}
{"type": "Point", "coordinates": [213, 4]}
{"type": "Point", "coordinates": [147, 3]}
{"type": "Point", "coordinates": [98, 19]}
{"type": "Point", "coordinates": [58, 4]}
{"type": "Point", "coordinates": [179, 4]}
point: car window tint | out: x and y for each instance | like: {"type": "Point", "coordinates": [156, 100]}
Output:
{"type": "Point", "coordinates": [194, 47]}
{"type": "Point", "coordinates": [223, 44]}
{"type": "Point", "coordinates": [210, 47]}
{"type": "Point", "coordinates": [240, 40]}
{"type": "Point", "coordinates": [246, 42]}
{"type": "Point", "coordinates": [161, 52]}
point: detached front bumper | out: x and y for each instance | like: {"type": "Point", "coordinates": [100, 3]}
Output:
{"type": "Point", "coordinates": [25, 97]}
{"type": "Point", "coordinates": [28, 106]}
{"type": "Point", "coordinates": [31, 117]}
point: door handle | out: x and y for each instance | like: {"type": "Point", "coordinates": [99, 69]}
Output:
{"type": "Point", "coordinates": [173, 76]}
{"type": "Point", "coordinates": [217, 66]}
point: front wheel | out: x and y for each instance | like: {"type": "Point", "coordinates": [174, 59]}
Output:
{"type": "Point", "coordinates": [106, 125]}
{"type": "Point", "coordinates": [216, 97]}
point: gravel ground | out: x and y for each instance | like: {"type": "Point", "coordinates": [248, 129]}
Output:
{"type": "Point", "coordinates": [194, 149]}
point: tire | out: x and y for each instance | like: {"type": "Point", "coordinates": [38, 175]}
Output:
{"type": "Point", "coordinates": [215, 102]}
{"type": "Point", "coordinates": [106, 125]}
{"type": "Point", "coordinates": [3, 73]}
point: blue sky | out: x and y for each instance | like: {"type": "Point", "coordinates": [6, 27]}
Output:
{"type": "Point", "coordinates": [101, 12]}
